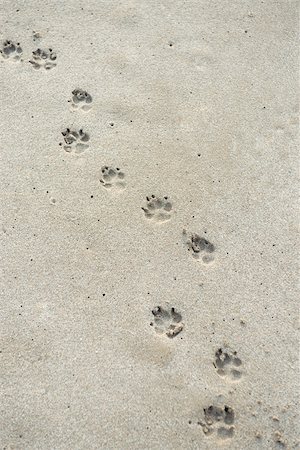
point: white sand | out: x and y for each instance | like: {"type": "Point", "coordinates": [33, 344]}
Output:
{"type": "Point", "coordinates": [193, 100]}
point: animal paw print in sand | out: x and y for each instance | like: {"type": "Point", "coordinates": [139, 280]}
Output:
{"type": "Point", "coordinates": [112, 178]}
{"type": "Point", "coordinates": [43, 59]}
{"type": "Point", "coordinates": [11, 51]}
{"type": "Point", "coordinates": [167, 322]}
{"type": "Point", "coordinates": [228, 364]}
{"type": "Point", "coordinates": [81, 100]}
{"type": "Point", "coordinates": [199, 247]}
{"type": "Point", "coordinates": [219, 420]}
{"type": "Point", "coordinates": [75, 141]}
{"type": "Point", "coordinates": [158, 209]}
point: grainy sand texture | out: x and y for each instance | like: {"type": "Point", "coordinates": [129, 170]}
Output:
{"type": "Point", "coordinates": [149, 224]}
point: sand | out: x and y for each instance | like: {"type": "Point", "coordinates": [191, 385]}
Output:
{"type": "Point", "coordinates": [148, 246]}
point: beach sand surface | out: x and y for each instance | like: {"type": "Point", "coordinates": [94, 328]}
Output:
{"type": "Point", "coordinates": [148, 224]}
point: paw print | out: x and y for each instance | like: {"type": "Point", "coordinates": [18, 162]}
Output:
{"type": "Point", "coordinates": [158, 209]}
{"type": "Point", "coordinates": [219, 420]}
{"type": "Point", "coordinates": [168, 322]}
{"type": "Point", "coordinates": [75, 141]}
{"type": "Point", "coordinates": [43, 58]}
{"type": "Point", "coordinates": [81, 100]}
{"type": "Point", "coordinates": [112, 178]}
{"type": "Point", "coordinates": [228, 364]}
{"type": "Point", "coordinates": [199, 247]}
{"type": "Point", "coordinates": [11, 51]}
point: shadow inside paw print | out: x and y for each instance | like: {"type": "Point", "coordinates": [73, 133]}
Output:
{"type": "Point", "coordinates": [218, 419]}
{"type": "Point", "coordinates": [43, 58]}
{"type": "Point", "coordinates": [200, 247]}
{"type": "Point", "coordinates": [112, 178]}
{"type": "Point", "coordinates": [158, 209]}
{"type": "Point", "coordinates": [81, 100]}
{"type": "Point", "coordinates": [11, 51]}
{"type": "Point", "coordinates": [168, 322]}
{"type": "Point", "coordinates": [228, 364]}
{"type": "Point", "coordinates": [75, 141]}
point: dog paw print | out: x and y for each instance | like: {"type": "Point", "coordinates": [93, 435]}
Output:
{"type": "Point", "coordinates": [167, 322]}
{"type": "Point", "coordinates": [11, 51]}
{"type": "Point", "coordinates": [112, 178]}
{"type": "Point", "coordinates": [158, 209]}
{"type": "Point", "coordinates": [228, 364]}
{"type": "Point", "coordinates": [75, 141]}
{"type": "Point", "coordinates": [43, 59]}
{"type": "Point", "coordinates": [218, 420]}
{"type": "Point", "coordinates": [199, 247]}
{"type": "Point", "coordinates": [81, 100]}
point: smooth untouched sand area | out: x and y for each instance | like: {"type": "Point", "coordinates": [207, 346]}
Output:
{"type": "Point", "coordinates": [148, 241]}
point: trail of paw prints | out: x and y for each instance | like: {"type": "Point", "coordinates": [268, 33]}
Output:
{"type": "Point", "coordinates": [81, 100]}
{"type": "Point", "coordinates": [112, 178]}
{"type": "Point", "coordinates": [43, 59]}
{"type": "Point", "coordinates": [199, 247]}
{"type": "Point", "coordinates": [75, 141]}
{"type": "Point", "coordinates": [158, 209]}
{"type": "Point", "coordinates": [167, 322]}
{"type": "Point", "coordinates": [228, 364]}
{"type": "Point", "coordinates": [11, 51]}
{"type": "Point", "coordinates": [218, 421]}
